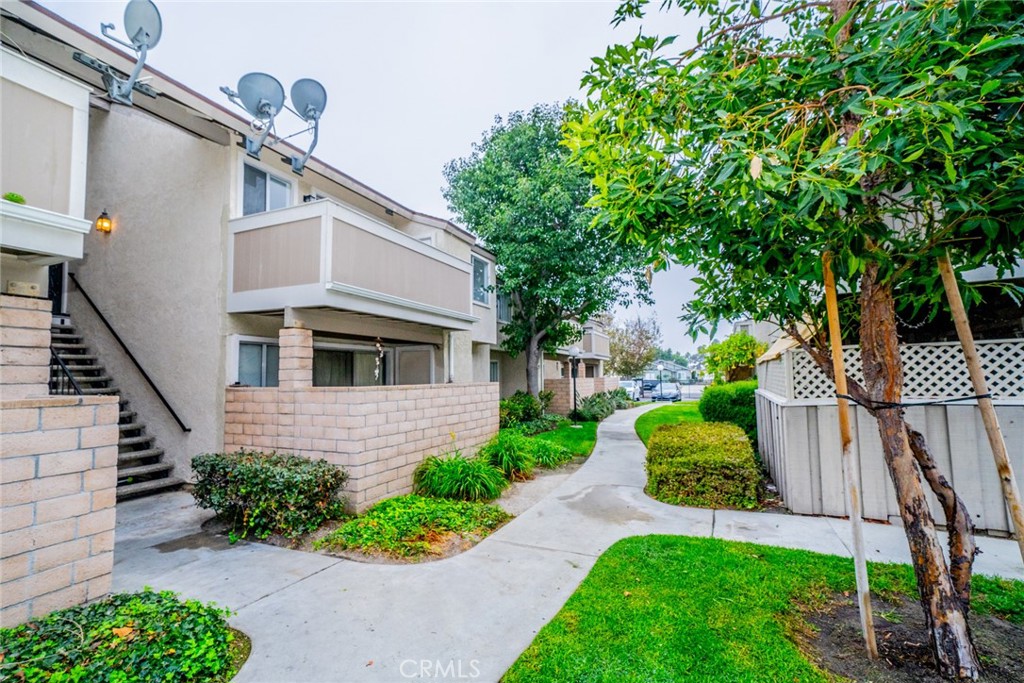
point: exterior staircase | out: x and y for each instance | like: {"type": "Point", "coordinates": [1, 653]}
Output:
{"type": "Point", "coordinates": [141, 469]}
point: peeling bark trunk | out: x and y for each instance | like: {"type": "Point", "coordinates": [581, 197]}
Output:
{"type": "Point", "coordinates": [945, 613]}
{"type": "Point", "coordinates": [962, 547]}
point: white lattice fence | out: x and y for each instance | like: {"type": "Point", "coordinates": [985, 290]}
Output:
{"type": "Point", "coordinates": [935, 370]}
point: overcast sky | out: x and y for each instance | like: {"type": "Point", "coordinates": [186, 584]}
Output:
{"type": "Point", "coordinates": [410, 85]}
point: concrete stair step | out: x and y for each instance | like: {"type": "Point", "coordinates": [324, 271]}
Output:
{"type": "Point", "coordinates": [134, 441]}
{"type": "Point", "coordinates": [131, 427]}
{"type": "Point", "coordinates": [144, 470]}
{"type": "Point", "coordinates": [126, 416]}
{"type": "Point", "coordinates": [68, 347]}
{"type": "Point", "coordinates": [131, 456]}
{"type": "Point", "coordinates": [77, 358]}
{"type": "Point", "coordinates": [99, 391]}
{"type": "Point", "coordinates": [89, 379]}
{"type": "Point", "coordinates": [66, 337]}
{"type": "Point", "coordinates": [148, 487]}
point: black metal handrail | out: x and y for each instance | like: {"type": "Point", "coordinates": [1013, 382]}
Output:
{"type": "Point", "coordinates": [130, 355]}
{"type": "Point", "coordinates": [62, 382]}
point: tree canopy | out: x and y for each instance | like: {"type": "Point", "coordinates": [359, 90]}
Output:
{"type": "Point", "coordinates": [633, 346]}
{"type": "Point", "coordinates": [519, 193]}
{"type": "Point", "coordinates": [886, 138]}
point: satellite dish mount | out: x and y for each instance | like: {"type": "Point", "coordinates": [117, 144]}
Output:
{"type": "Point", "coordinates": [143, 25]}
{"type": "Point", "coordinates": [309, 99]}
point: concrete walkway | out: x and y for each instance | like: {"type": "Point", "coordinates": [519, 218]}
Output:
{"type": "Point", "coordinates": [314, 618]}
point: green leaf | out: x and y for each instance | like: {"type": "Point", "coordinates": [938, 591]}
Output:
{"type": "Point", "coordinates": [950, 170]}
{"type": "Point", "coordinates": [989, 86]}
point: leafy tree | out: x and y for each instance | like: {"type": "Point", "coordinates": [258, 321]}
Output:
{"type": "Point", "coordinates": [734, 358]}
{"type": "Point", "coordinates": [669, 354]}
{"type": "Point", "coordinates": [523, 198]}
{"type": "Point", "coordinates": [884, 133]}
{"type": "Point", "coordinates": [633, 346]}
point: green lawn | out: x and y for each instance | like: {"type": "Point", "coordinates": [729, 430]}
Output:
{"type": "Point", "coordinates": [673, 413]}
{"type": "Point", "coordinates": [673, 608]}
{"type": "Point", "coordinates": [580, 440]}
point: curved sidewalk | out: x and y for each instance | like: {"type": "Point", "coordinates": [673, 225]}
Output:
{"type": "Point", "coordinates": [317, 618]}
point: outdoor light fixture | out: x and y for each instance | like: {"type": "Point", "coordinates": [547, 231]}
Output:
{"type": "Point", "coordinates": [103, 222]}
{"type": "Point", "coordinates": [661, 381]}
{"type": "Point", "coordinates": [574, 363]}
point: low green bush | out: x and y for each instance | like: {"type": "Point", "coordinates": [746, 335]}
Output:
{"type": "Point", "coordinates": [511, 452]}
{"type": "Point", "coordinates": [550, 455]}
{"type": "Point", "coordinates": [702, 465]}
{"type": "Point", "coordinates": [269, 493]}
{"type": "Point", "coordinates": [410, 526]}
{"type": "Point", "coordinates": [518, 408]}
{"type": "Point", "coordinates": [733, 403]}
{"type": "Point", "coordinates": [544, 423]}
{"type": "Point", "coordinates": [459, 478]}
{"type": "Point", "coordinates": [145, 636]}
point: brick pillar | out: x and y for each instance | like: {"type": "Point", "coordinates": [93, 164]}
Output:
{"type": "Point", "coordinates": [295, 369]}
{"type": "Point", "coordinates": [24, 346]}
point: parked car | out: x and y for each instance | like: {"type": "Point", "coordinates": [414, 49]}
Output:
{"type": "Point", "coordinates": [666, 391]}
{"type": "Point", "coordinates": [631, 388]}
{"type": "Point", "coordinates": [649, 384]}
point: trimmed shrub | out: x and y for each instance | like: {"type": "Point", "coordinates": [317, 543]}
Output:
{"type": "Point", "coordinates": [702, 465]}
{"type": "Point", "coordinates": [145, 636]}
{"type": "Point", "coordinates": [453, 476]}
{"type": "Point", "coordinates": [550, 455]}
{"type": "Point", "coordinates": [518, 408]}
{"type": "Point", "coordinates": [545, 397]}
{"type": "Point", "coordinates": [511, 452]}
{"type": "Point", "coordinates": [269, 493]}
{"type": "Point", "coordinates": [731, 403]}
{"type": "Point", "coordinates": [409, 526]}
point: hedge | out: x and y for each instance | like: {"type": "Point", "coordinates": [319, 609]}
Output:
{"type": "Point", "coordinates": [702, 465]}
{"type": "Point", "coordinates": [269, 493]}
{"type": "Point", "coordinates": [733, 402]}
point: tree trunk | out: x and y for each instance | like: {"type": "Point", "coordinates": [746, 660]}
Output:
{"type": "Point", "coordinates": [533, 359]}
{"type": "Point", "coordinates": [945, 613]}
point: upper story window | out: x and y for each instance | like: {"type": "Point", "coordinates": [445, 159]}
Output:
{"type": "Point", "coordinates": [480, 280]}
{"type": "Point", "coordinates": [263, 192]}
{"type": "Point", "coordinates": [504, 308]}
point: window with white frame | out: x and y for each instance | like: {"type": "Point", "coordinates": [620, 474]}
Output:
{"type": "Point", "coordinates": [495, 372]}
{"type": "Point", "coordinates": [257, 364]}
{"type": "Point", "coordinates": [262, 191]}
{"type": "Point", "coordinates": [504, 308]}
{"type": "Point", "coordinates": [481, 270]}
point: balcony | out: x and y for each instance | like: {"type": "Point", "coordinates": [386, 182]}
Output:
{"type": "Point", "coordinates": [325, 255]}
{"type": "Point", "coordinates": [40, 237]}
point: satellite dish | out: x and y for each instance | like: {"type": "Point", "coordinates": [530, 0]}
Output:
{"type": "Point", "coordinates": [309, 98]}
{"type": "Point", "coordinates": [142, 23]}
{"type": "Point", "coordinates": [261, 95]}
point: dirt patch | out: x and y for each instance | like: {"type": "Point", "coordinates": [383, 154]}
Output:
{"type": "Point", "coordinates": [835, 644]}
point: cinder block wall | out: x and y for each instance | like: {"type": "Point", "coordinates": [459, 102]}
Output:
{"type": "Point", "coordinates": [585, 386]}
{"type": "Point", "coordinates": [58, 473]}
{"type": "Point", "coordinates": [378, 434]}
{"type": "Point", "coordinates": [24, 346]}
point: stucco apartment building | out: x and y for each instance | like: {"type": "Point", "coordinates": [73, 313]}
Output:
{"type": "Point", "coordinates": [234, 303]}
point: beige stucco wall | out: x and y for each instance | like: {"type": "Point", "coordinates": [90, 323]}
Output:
{"type": "Point", "coordinates": [159, 277]}
{"type": "Point", "coordinates": [482, 363]}
{"type": "Point", "coordinates": [13, 269]}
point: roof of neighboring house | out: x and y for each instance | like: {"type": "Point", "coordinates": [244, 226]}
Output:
{"type": "Point", "coordinates": [177, 103]}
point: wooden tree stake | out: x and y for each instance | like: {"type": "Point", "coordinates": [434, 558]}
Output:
{"type": "Point", "coordinates": [988, 412]}
{"type": "Point", "coordinates": [851, 460]}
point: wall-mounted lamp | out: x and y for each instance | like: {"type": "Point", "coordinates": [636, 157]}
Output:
{"type": "Point", "coordinates": [103, 223]}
